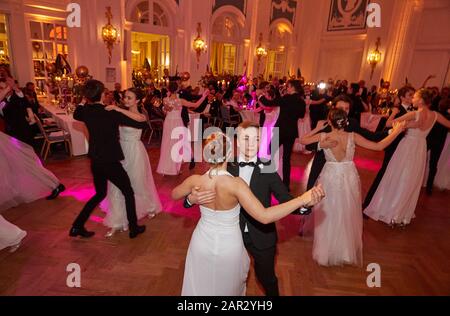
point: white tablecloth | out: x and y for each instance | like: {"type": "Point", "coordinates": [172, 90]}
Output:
{"type": "Point", "coordinates": [370, 121]}
{"type": "Point", "coordinates": [78, 131]}
{"type": "Point", "coordinates": [248, 115]}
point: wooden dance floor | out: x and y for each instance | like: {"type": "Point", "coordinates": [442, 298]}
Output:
{"type": "Point", "coordinates": [414, 261]}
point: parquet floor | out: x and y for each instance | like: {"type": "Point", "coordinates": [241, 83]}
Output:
{"type": "Point", "coordinates": [414, 261]}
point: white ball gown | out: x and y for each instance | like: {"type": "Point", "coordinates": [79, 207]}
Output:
{"type": "Point", "coordinates": [138, 168]}
{"type": "Point", "coordinates": [10, 234]}
{"type": "Point", "coordinates": [267, 133]}
{"type": "Point", "coordinates": [173, 150]}
{"type": "Point", "coordinates": [217, 262]}
{"type": "Point", "coordinates": [396, 197]}
{"type": "Point", "coordinates": [442, 180]}
{"type": "Point", "coordinates": [23, 179]}
{"type": "Point", "coordinates": [304, 127]}
{"type": "Point", "coordinates": [338, 221]}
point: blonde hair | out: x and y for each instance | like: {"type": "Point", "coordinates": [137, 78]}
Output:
{"type": "Point", "coordinates": [216, 150]}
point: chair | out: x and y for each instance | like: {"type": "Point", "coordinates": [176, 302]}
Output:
{"type": "Point", "coordinates": [154, 125]}
{"type": "Point", "coordinates": [225, 117]}
{"type": "Point", "coordinates": [53, 137]}
{"type": "Point", "coordinates": [49, 128]}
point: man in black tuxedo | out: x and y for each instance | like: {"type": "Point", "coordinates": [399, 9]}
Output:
{"type": "Point", "coordinates": [105, 153]}
{"type": "Point", "coordinates": [292, 108]}
{"type": "Point", "coordinates": [342, 102]}
{"type": "Point", "coordinates": [259, 239]}
{"type": "Point", "coordinates": [406, 95]}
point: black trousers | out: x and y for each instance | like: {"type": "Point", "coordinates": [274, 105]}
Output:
{"type": "Point", "coordinates": [288, 145]}
{"type": "Point", "coordinates": [115, 173]}
{"type": "Point", "coordinates": [264, 260]}
{"type": "Point", "coordinates": [316, 168]}
{"type": "Point", "coordinates": [435, 153]}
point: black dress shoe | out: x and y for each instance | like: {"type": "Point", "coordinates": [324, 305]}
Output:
{"type": "Point", "coordinates": [192, 164]}
{"type": "Point", "coordinates": [82, 232]}
{"type": "Point", "coordinates": [56, 192]}
{"type": "Point", "coordinates": [429, 191]}
{"type": "Point", "coordinates": [137, 231]}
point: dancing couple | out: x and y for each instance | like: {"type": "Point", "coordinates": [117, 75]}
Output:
{"type": "Point", "coordinates": [117, 155]}
{"type": "Point", "coordinates": [236, 215]}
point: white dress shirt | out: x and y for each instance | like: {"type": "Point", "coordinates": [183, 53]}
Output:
{"type": "Point", "coordinates": [245, 173]}
{"type": "Point", "coordinates": [405, 107]}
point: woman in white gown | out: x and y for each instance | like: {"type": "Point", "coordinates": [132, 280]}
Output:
{"type": "Point", "coordinates": [10, 235]}
{"type": "Point", "coordinates": [23, 179]}
{"type": "Point", "coordinates": [175, 150]}
{"type": "Point", "coordinates": [217, 262]}
{"type": "Point", "coordinates": [271, 116]}
{"type": "Point", "coordinates": [304, 127]}
{"type": "Point", "coordinates": [396, 198]}
{"type": "Point", "coordinates": [137, 165]}
{"type": "Point", "coordinates": [338, 220]}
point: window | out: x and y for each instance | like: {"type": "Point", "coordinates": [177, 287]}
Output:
{"type": "Point", "coordinates": [152, 50]}
{"type": "Point", "coordinates": [142, 14]}
{"type": "Point", "coordinates": [223, 58]}
{"type": "Point", "coordinates": [47, 41]}
{"type": "Point", "coordinates": [4, 42]}
{"type": "Point", "coordinates": [275, 64]}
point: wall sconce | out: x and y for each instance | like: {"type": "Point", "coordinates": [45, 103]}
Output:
{"type": "Point", "coordinates": [199, 44]}
{"type": "Point", "coordinates": [109, 33]}
{"type": "Point", "coordinates": [260, 50]}
{"type": "Point", "coordinates": [374, 57]}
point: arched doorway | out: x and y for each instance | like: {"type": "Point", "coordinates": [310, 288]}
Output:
{"type": "Point", "coordinates": [226, 42]}
{"type": "Point", "coordinates": [279, 43]}
{"type": "Point", "coordinates": [150, 31]}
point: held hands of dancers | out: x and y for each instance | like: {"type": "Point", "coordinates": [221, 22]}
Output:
{"type": "Point", "coordinates": [313, 196]}
{"type": "Point", "coordinates": [399, 127]}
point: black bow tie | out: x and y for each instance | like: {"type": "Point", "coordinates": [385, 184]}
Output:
{"type": "Point", "coordinates": [254, 164]}
{"type": "Point", "coordinates": [247, 164]}
{"type": "Point", "coordinates": [410, 108]}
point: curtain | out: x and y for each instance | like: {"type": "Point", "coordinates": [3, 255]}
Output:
{"type": "Point", "coordinates": [217, 58]}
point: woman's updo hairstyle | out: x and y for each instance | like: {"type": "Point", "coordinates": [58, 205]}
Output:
{"type": "Point", "coordinates": [217, 149]}
{"type": "Point", "coordinates": [173, 87]}
{"type": "Point", "coordinates": [426, 95]}
{"type": "Point", "coordinates": [338, 118]}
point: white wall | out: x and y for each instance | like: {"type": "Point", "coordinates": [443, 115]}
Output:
{"type": "Point", "coordinates": [414, 39]}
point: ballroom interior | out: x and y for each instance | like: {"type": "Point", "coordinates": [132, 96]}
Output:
{"type": "Point", "coordinates": [380, 44]}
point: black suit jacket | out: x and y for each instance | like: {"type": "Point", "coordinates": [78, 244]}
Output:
{"type": "Point", "coordinates": [389, 150]}
{"type": "Point", "coordinates": [262, 185]}
{"type": "Point", "coordinates": [15, 116]}
{"type": "Point", "coordinates": [319, 158]}
{"type": "Point", "coordinates": [103, 126]}
{"type": "Point", "coordinates": [292, 108]}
